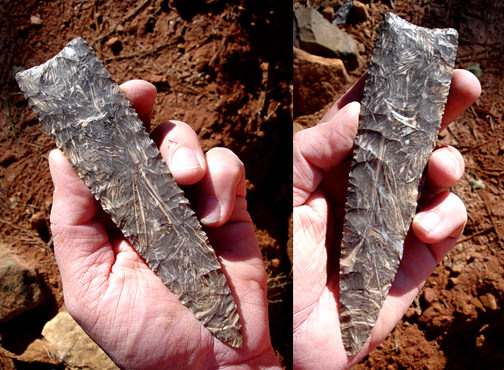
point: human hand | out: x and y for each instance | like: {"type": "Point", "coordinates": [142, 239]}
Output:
{"type": "Point", "coordinates": [320, 179]}
{"type": "Point", "coordinates": [120, 302]}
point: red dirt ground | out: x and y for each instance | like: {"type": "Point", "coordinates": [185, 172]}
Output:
{"type": "Point", "coordinates": [215, 66]}
{"type": "Point", "coordinates": [457, 320]}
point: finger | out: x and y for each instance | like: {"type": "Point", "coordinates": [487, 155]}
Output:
{"type": "Point", "coordinates": [73, 203]}
{"type": "Point", "coordinates": [180, 148]}
{"type": "Point", "coordinates": [321, 148]}
{"type": "Point", "coordinates": [142, 95]}
{"type": "Point", "coordinates": [353, 94]}
{"type": "Point", "coordinates": [222, 191]}
{"type": "Point", "coordinates": [81, 242]}
{"type": "Point", "coordinates": [446, 167]}
{"type": "Point", "coordinates": [444, 217]}
{"type": "Point", "coordinates": [464, 90]}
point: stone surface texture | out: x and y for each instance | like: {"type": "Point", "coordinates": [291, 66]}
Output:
{"type": "Point", "coordinates": [20, 288]}
{"type": "Point", "coordinates": [315, 81]}
{"type": "Point", "coordinates": [86, 114]}
{"type": "Point", "coordinates": [404, 98]}
{"type": "Point", "coordinates": [71, 345]}
{"type": "Point", "coordinates": [343, 13]}
{"type": "Point", "coordinates": [316, 35]}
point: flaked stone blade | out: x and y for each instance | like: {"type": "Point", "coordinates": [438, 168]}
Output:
{"type": "Point", "coordinates": [86, 114]}
{"type": "Point", "coordinates": [404, 98]}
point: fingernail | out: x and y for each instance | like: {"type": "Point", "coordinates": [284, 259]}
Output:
{"type": "Point", "coordinates": [428, 221]}
{"type": "Point", "coordinates": [184, 159]}
{"type": "Point", "coordinates": [210, 211]}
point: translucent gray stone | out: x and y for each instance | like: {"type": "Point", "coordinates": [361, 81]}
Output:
{"type": "Point", "coordinates": [404, 98]}
{"type": "Point", "coordinates": [85, 112]}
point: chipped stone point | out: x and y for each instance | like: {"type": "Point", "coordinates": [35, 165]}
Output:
{"type": "Point", "coordinates": [85, 112]}
{"type": "Point", "coordinates": [404, 98]}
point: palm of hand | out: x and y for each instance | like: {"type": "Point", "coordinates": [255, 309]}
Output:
{"type": "Point", "coordinates": [127, 307]}
{"type": "Point", "coordinates": [123, 305]}
{"type": "Point", "coordinates": [320, 180]}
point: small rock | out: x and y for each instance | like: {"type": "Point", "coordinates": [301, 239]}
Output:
{"type": "Point", "coordinates": [37, 220]}
{"type": "Point", "coordinates": [429, 295]}
{"type": "Point", "coordinates": [360, 10]}
{"type": "Point", "coordinates": [489, 301]}
{"type": "Point", "coordinates": [36, 21]}
{"type": "Point", "coordinates": [316, 35]}
{"type": "Point", "coordinates": [20, 289]}
{"type": "Point", "coordinates": [13, 202]}
{"type": "Point", "coordinates": [275, 262]}
{"type": "Point", "coordinates": [315, 81]}
{"type": "Point", "coordinates": [328, 13]}
{"type": "Point", "coordinates": [114, 44]}
{"type": "Point", "coordinates": [477, 184]}
{"type": "Point", "coordinates": [457, 267]}
{"type": "Point", "coordinates": [71, 345]}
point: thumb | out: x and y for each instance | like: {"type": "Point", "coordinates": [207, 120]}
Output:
{"type": "Point", "coordinates": [81, 242]}
{"type": "Point", "coordinates": [321, 148]}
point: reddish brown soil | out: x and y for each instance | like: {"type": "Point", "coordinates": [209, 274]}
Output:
{"type": "Point", "coordinates": [458, 319]}
{"type": "Point", "coordinates": [215, 66]}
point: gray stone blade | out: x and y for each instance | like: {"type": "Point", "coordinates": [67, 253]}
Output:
{"type": "Point", "coordinates": [404, 98]}
{"type": "Point", "coordinates": [86, 114]}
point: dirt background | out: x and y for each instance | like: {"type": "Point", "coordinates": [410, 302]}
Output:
{"type": "Point", "coordinates": [215, 66]}
{"type": "Point", "coordinates": [458, 319]}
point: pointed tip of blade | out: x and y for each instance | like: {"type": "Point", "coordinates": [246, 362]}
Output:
{"type": "Point", "coordinates": [352, 342]}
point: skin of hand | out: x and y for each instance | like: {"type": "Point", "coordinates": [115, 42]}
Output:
{"type": "Point", "coordinates": [320, 178]}
{"type": "Point", "coordinates": [120, 302]}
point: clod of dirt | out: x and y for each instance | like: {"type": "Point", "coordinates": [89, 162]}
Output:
{"type": "Point", "coordinates": [360, 11]}
{"type": "Point", "coordinates": [434, 317]}
{"type": "Point", "coordinates": [36, 21]}
{"type": "Point", "coordinates": [429, 295]}
{"type": "Point", "coordinates": [328, 13]}
{"type": "Point", "coordinates": [489, 301]}
{"type": "Point", "coordinates": [115, 45]}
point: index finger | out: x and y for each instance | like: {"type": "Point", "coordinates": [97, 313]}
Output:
{"type": "Point", "coordinates": [141, 95]}
{"type": "Point", "coordinates": [464, 90]}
